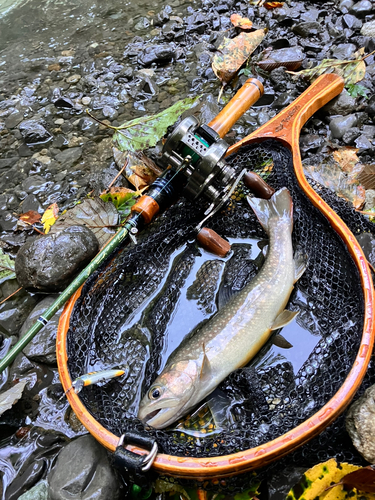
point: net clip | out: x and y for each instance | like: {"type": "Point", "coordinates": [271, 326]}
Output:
{"type": "Point", "coordinates": [133, 463]}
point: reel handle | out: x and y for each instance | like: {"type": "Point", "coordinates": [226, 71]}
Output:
{"type": "Point", "coordinates": [248, 94]}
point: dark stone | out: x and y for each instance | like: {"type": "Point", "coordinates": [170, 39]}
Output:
{"type": "Point", "coordinates": [345, 5]}
{"type": "Point", "coordinates": [24, 151]}
{"type": "Point", "coordinates": [280, 483]}
{"type": "Point", "coordinates": [370, 109]}
{"type": "Point", "coordinates": [30, 202]}
{"type": "Point", "coordinates": [156, 54]}
{"type": "Point", "coordinates": [42, 347]}
{"type": "Point", "coordinates": [83, 472]}
{"type": "Point", "coordinates": [352, 21]}
{"type": "Point", "coordinates": [13, 120]}
{"type": "Point", "coordinates": [8, 162]}
{"type": "Point", "coordinates": [34, 132]}
{"type": "Point", "coordinates": [363, 144]}
{"type": "Point", "coordinates": [342, 124]}
{"type": "Point", "coordinates": [341, 105]}
{"type": "Point", "coordinates": [69, 156]}
{"type": "Point", "coordinates": [361, 9]}
{"type": "Point", "coordinates": [282, 100]}
{"type": "Point", "coordinates": [344, 51]}
{"type": "Point", "coordinates": [49, 263]}
{"type": "Point", "coordinates": [14, 312]}
{"type": "Point", "coordinates": [280, 79]}
{"type": "Point", "coordinates": [88, 125]}
{"type": "Point", "coordinates": [369, 131]}
{"type": "Point", "coordinates": [36, 184]}
{"type": "Point", "coordinates": [8, 221]}
{"type": "Point", "coordinates": [310, 142]}
{"type": "Point", "coordinates": [307, 29]}
{"type": "Point", "coordinates": [350, 135]}
{"type": "Point", "coordinates": [368, 30]}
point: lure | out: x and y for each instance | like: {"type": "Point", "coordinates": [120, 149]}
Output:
{"type": "Point", "coordinates": [94, 378]}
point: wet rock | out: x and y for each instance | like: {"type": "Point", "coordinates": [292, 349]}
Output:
{"type": "Point", "coordinates": [361, 9]}
{"type": "Point", "coordinates": [280, 483]}
{"type": "Point", "coordinates": [88, 125]}
{"type": "Point", "coordinates": [14, 312]}
{"type": "Point", "coordinates": [49, 263]}
{"type": "Point", "coordinates": [73, 78]}
{"type": "Point", "coordinates": [209, 110]}
{"type": "Point", "coordinates": [341, 105]}
{"type": "Point", "coordinates": [282, 100]}
{"type": "Point", "coordinates": [13, 120]}
{"type": "Point", "coordinates": [82, 471]}
{"type": "Point", "coordinates": [345, 5]}
{"type": "Point", "coordinates": [69, 156]}
{"type": "Point", "coordinates": [368, 29]}
{"type": "Point", "coordinates": [360, 424]}
{"type": "Point", "coordinates": [30, 202]}
{"type": "Point", "coordinates": [156, 54]}
{"type": "Point", "coordinates": [369, 205]}
{"type": "Point", "coordinates": [35, 184]}
{"type": "Point", "coordinates": [369, 131]}
{"type": "Point", "coordinates": [307, 29]}
{"type": "Point", "coordinates": [310, 142]}
{"type": "Point", "coordinates": [42, 348]}
{"type": "Point", "coordinates": [8, 221]}
{"type": "Point", "coordinates": [342, 124]}
{"type": "Point", "coordinates": [37, 492]}
{"type": "Point", "coordinates": [363, 144]}
{"type": "Point", "coordinates": [352, 21]}
{"type": "Point", "coordinates": [34, 132]}
{"type": "Point", "coordinates": [8, 162]}
{"type": "Point", "coordinates": [344, 51]}
{"type": "Point", "coordinates": [350, 136]}
{"type": "Point", "coordinates": [101, 178]}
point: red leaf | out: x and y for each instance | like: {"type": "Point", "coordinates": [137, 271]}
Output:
{"type": "Point", "coordinates": [31, 217]}
{"type": "Point", "coordinates": [361, 479]}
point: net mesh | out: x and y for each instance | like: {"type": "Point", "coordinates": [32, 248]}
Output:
{"type": "Point", "coordinates": [127, 314]}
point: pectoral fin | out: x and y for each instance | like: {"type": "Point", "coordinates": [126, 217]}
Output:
{"type": "Point", "coordinates": [280, 341]}
{"type": "Point", "coordinates": [300, 264]}
{"type": "Point", "coordinates": [284, 319]}
{"type": "Point", "coordinates": [206, 367]}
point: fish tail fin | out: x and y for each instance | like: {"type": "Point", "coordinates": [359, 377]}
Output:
{"type": "Point", "coordinates": [279, 206]}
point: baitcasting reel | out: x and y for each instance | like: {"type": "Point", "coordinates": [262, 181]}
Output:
{"type": "Point", "coordinates": [198, 152]}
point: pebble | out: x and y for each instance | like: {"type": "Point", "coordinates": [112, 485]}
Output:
{"type": "Point", "coordinates": [341, 105]}
{"type": "Point", "coordinates": [59, 121]}
{"type": "Point", "coordinates": [360, 424]}
{"type": "Point", "coordinates": [361, 9]}
{"type": "Point", "coordinates": [344, 51]}
{"type": "Point", "coordinates": [73, 79]}
{"type": "Point", "coordinates": [368, 29]}
{"type": "Point", "coordinates": [342, 124]}
{"type": "Point", "coordinates": [86, 100]}
{"type": "Point", "coordinates": [34, 132]}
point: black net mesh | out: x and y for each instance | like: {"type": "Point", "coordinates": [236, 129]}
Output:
{"type": "Point", "coordinates": [129, 310]}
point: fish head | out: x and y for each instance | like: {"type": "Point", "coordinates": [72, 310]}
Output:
{"type": "Point", "coordinates": [170, 396]}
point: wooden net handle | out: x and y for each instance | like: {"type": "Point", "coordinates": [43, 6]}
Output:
{"type": "Point", "coordinates": [249, 93]}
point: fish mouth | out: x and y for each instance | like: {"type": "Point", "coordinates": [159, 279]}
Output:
{"type": "Point", "coordinates": [158, 418]}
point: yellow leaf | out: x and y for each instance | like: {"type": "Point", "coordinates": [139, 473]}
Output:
{"type": "Point", "coordinates": [316, 482]}
{"type": "Point", "coordinates": [234, 52]}
{"type": "Point", "coordinates": [347, 158]}
{"type": "Point", "coordinates": [49, 217]}
{"type": "Point", "coordinates": [240, 22]}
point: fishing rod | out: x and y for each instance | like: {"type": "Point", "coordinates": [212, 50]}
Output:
{"type": "Point", "coordinates": [193, 157]}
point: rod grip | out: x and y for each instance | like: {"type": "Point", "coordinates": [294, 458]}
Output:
{"type": "Point", "coordinates": [248, 94]}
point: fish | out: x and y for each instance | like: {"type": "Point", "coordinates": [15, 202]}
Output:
{"type": "Point", "coordinates": [232, 337]}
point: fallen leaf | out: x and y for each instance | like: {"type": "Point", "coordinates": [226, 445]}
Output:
{"type": "Point", "coordinates": [241, 22]}
{"type": "Point", "coordinates": [367, 177]}
{"type": "Point", "coordinates": [31, 217]}
{"type": "Point", "coordinates": [273, 5]}
{"type": "Point", "coordinates": [361, 479]}
{"type": "Point", "coordinates": [122, 198]}
{"type": "Point", "coordinates": [49, 217]}
{"type": "Point", "coordinates": [95, 214]}
{"type": "Point", "coordinates": [233, 52]}
{"type": "Point", "coordinates": [6, 267]}
{"type": "Point", "coordinates": [347, 158]}
{"type": "Point", "coordinates": [11, 396]}
{"type": "Point", "coordinates": [139, 170]}
{"type": "Point", "coordinates": [316, 481]}
{"type": "Point", "coordinates": [330, 175]}
{"type": "Point", "coordinates": [146, 131]}
{"type": "Point", "coordinates": [352, 70]}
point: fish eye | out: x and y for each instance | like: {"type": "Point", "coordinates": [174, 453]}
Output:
{"type": "Point", "coordinates": [155, 392]}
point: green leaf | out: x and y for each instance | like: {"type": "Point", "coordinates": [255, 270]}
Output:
{"type": "Point", "coordinates": [6, 267]}
{"type": "Point", "coordinates": [355, 90]}
{"type": "Point", "coordinates": [146, 131]}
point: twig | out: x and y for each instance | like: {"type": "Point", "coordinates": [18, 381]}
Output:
{"type": "Point", "coordinates": [99, 121]}
{"type": "Point", "coordinates": [119, 173]}
{"type": "Point", "coordinates": [11, 295]}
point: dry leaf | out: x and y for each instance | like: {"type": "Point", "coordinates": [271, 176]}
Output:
{"type": "Point", "coordinates": [95, 214]}
{"type": "Point", "coordinates": [241, 22]}
{"type": "Point", "coordinates": [31, 217]}
{"type": "Point", "coordinates": [234, 52]}
{"type": "Point", "coordinates": [316, 483]}
{"type": "Point", "coordinates": [49, 217]}
{"type": "Point", "coordinates": [11, 396]}
{"type": "Point", "coordinates": [139, 170]}
{"type": "Point", "coordinates": [347, 158]}
{"type": "Point", "coordinates": [367, 177]}
{"type": "Point", "coordinates": [273, 5]}
{"type": "Point", "coordinates": [361, 479]}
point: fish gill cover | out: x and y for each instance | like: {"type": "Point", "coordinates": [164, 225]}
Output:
{"type": "Point", "coordinates": [112, 323]}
